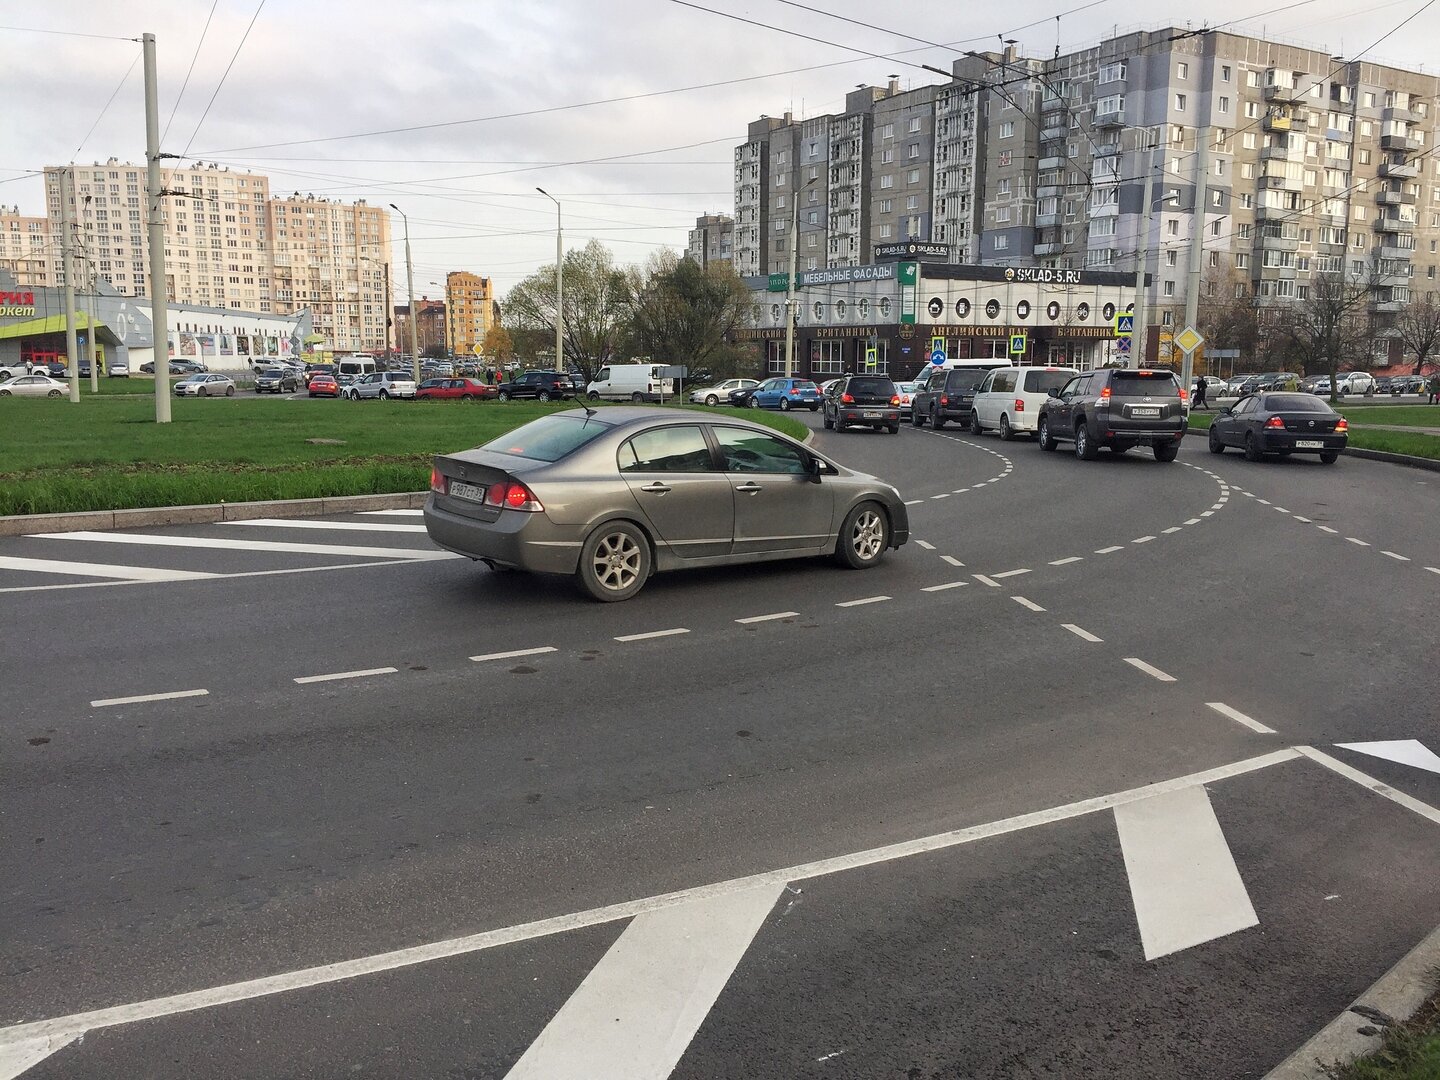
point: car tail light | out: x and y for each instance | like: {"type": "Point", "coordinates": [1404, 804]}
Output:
{"type": "Point", "coordinates": [438, 481]}
{"type": "Point", "coordinates": [1342, 425]}
{"type": "Point", "coordinates": [1275, 422]}
{"type": "Point", "coordinates": [846, 399]}
{"type": "Point", "coordinates": [944, 399]}
{"type": "Point", "coordinates": [1019, 404]}
{"type": "Point", "coordinates": [1184, 394]}
{"type": "Point", "coordinates": [1104, 397]}
{"type": "Point", "coordinates": [895, 399]}
{"type": "Point", "coordinates": [511, 495]}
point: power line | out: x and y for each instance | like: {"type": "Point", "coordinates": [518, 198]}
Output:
{"type": "Point", "coordinates": [233, 57]}
{"type": "Point", "coordinates": [189, 71]}
{"type": "Point", "coordinates": [67, 33]}
{"type": "Point", "coordinates": [123, 80]}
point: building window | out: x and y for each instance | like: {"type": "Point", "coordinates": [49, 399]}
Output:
{"type": "Point", "coordinates": [1224, 72]}
{"type": "Point", "coordinates": [1002, 242]}
{"type": "Point", "coordinates": [1169, 288]}
{"type": "Point", "coordinates": [1224, 104]}
{"type": "Point", "coordinates": [1002, 187]}
{"type": "Point", "coordinates": [887, 155]}
{"type": "Point", "coordinates": [887, 181]}
{"type": "Point", "coordinates": [914, 124]}
{"type": "Point", "coordinates": [1182, 70]}
{"type": "Point", "coordinates": [1180, 102]}
{"type": "Point", "coordinates": [913, 151]}
{"type": "Point", "coordinates": [1007, 129]}
{"type": "Point", "coordinates": [913, 176]}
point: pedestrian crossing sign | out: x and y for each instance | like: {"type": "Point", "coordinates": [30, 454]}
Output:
{"type": "Point", "coordinates": [1017, 344]}
{"type": "Point", "coordinates": [1124, 325]}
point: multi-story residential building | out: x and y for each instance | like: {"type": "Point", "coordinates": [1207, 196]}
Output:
{"type": "Point", "coordinates": [711, 239]}
{"type": "Point", "coordinates": [469, 311]}
{"type": "Point", "coordinates": [429, 331]}
{"type": "Point", "coordinates": [25, 248]}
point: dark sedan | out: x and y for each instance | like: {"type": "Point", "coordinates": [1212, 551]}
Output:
{"type": "Point", "coordinates": [610, 496]}
{"type": "Point", "coordinates": [1281, 423]}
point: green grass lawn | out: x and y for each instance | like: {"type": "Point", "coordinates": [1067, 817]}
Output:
{"type": "Point", "coordinates": [1411, 1051]}
{"type": "Point", "coordinates": [110, 455]}
{"type": "Point", "coordinates": [1394, 442]}
{"type": "Point", "coordinates": [1399, 415]}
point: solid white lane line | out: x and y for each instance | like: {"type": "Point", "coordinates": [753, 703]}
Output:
{"type": "Point", "coordinates": [1357, 541]}
{"type": "Point", "coordinates": [1306, 520]}
{"type": "Point", "coordinates": [393, 513]}
{"type": "Point", "coordinates": [103, 702]}
{"type": "Point", "coordinates": [947, 585]}
{"type": "Point", "coordinates": [652, 634]}
{"type": "Point", "coordinates": [346, 675]}
{"type": "Point", "coordinates": [1084, 635]}
{"type": "Point", "coordinates": [1326, 528]}
{"type": "Point", "coordinates": [942, 495]}
{"type": "Point", "coordinates": [640, 1006]}
{"type": "Point", "coordinates": [987, 581]}
{"type": "Point", "coordinates": [100, 570]}
{"type": "Point", "coordinates": [1067, 561]}
{"type": "Point", "coordinates": [1193, 521]}
{"type": "Point", "coordinates": [190, 1001]}
{"type": "Point", "coordinates": [1149, 669]}
{"type": "Point", "coordinates": [1009, 573]}
{"type": "Point", "coordinates": [1142, 539]}
{"type": "Point", "coordinates": [1393, 555]}
{"type": "Point", "coordinates": [1365, 780]}
{"type": "Point", "coordinates": [1171, 529]}
{"type": "Point", "coordinates": [1108, 550]}
{"type": "Point", "coordinates": [768, 618]}
{"type": "Point", "coordinates": [952, 560]}
{"type": "Point", "coordinates": [514, 654]}
{"type": "Point", "coordinates": [1183, 879]}
{"type": "Point", "coordinates": [862, 600]}
{"type": "Point", "coordinates": [1026, 603]}
{"type": "Point", "coordinates": [1240, 718]}
{"type": "Point", "coordinates": [926, 545]}
{"type": "Point", "coordinates": [352, 526]}
{"type": "Point", "coordinates": [222, 543]}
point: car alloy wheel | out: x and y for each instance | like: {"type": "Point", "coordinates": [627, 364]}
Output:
{"type": "Point", "coordinates": [502, 396]}
{"type": "Point", "coordinates": [784, 404]}
{"type": "Point", "coordinates": [864, 537]}
{"type": "Point", "coordinates": [975, 428]}
{"type": "Point", "coordinates": [1042, 434]}
{"type": "Point", "coordinates": [229, 391]}
{"type": "Point", "coordinates": [467, 397]}
{"type": "Point", "coordinates": [1252, 448]}
{"type": "Point", "coordinates": [1085, 450]}
{"type": "Point", "coordinates": [614, 562]}
{"type": "Point", "coordinates": [1216, 446]}
{"type": "Point", "coordinates": [544, 395]}
{"type": "Point", "coordinates": [384, 394]}
{"type": "Point", "coordinates": [712, 401]}
{"type": "Point", "coordinates": [753, 402]}
{"type": "Point", "coordinates": [52, 393]}
{"type": "Point", "coordinates": [202, 392]}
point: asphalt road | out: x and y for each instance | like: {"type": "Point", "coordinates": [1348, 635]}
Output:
{"type": "Point", "coordinates": [1033, 807]}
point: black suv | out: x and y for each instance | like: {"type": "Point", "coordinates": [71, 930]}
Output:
{"type": "Point", "coordinates": [276, 380]}
{"type": "Point", "coordinates": [1117, 408]}
{"type": "Point", "coordinates": [948, 394]}
{"type": "Point", "coordinates": [863, 401]}
{"type": "Point", "coordinates": [541, 385]}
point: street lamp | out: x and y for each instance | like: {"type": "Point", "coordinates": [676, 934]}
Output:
{"type": "Point", "coordinates": [790, 312]}
{"type": "Point", "coordinates": [410, 289]}
{"type": "Point", "coordinates": [559, 283]}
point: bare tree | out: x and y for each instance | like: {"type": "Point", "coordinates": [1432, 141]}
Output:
{"type": "Point", "coordinates": [1418, 329]}
{"type": "Point", "coordinates": [681, 313]}
{"type": "Point", "coordinates": [596, 311]}
{"type": "Point", "coordinates": [1332, 325]}
{"type": "Point", "coordinates": [1228, 315]}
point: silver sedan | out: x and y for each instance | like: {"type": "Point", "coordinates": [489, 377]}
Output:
{"type": "Point", "coordinates": [611, 496]}
{"type": "Point", "coordinates": [33, 386]}
{"type": "Point", "coordinates": [720, 393]}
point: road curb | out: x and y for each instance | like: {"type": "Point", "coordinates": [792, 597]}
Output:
{"type": "Point", "coordinates": [1398, 993]}
{"type": "Point", "coordinates": [25, 524]}
{"type": "Point", "coordinates": [1410, 460]}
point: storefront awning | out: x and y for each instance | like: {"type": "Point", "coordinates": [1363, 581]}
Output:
{"type": "Point", "coordinates": [52, 324]}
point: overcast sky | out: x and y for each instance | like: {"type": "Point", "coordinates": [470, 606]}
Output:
{"type": "Point", "coordinates": [316, 81]}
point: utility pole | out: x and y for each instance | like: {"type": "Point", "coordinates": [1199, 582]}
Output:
{"type": "Point", "coordinates": [559, 287]}
{"type": "Point", "coordinates": [410, 288]}
{"type": "Point", "coordinates": [67, 255]}
{"type": "Point", "coordinates": [92, 308]}
{"type": "Point", "coordinates": [1197, 244]}
{"type": "Point", "coordinates": [791, 314]}
{"type": "Point", "coordinates": [389, 315]}
{"type": "Point", "coordinates": [159, 301]}
{"type": "Point", "coordinates": [1142, 255]}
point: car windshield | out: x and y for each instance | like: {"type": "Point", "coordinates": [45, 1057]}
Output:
{"type": "Point", "coordinates": [1297, 403]}
{"type": "Point", "coordinates": [548, 439]}
{"type": "Point", "coordinates": [1144, 383]}
{"type": "Point", "coordinates": [871, 386]}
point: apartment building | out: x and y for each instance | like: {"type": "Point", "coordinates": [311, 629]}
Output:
{"type": "Point", "coordinates": [1286, 160]}
{"type": "Point", "coordinates": [25, 248]}
{"type": "Point", "coordinates": [470, 311]}
{"type": "Point", "coordinates": [712, 239]}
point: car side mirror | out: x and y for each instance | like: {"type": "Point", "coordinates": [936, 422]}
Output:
{"type": "Point", "coordinates": [814, 467]}
{"type": "Point", "coordinates": [1054, 391]}
{"type": "Point", "coordinates": [1226, 411]}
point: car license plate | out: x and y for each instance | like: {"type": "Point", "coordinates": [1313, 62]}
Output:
{"type": "Point", "coordinates": [1140, 410]}
{"type": "Point", "coordinates": [1309, 444]}
{"type": "Point", "coordinates": [870, 414]}
{"type": "Point", "coordinates": [462, 490]}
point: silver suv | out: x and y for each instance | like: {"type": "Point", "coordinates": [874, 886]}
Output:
{"type": "Point", "coordinates": [382, 384]}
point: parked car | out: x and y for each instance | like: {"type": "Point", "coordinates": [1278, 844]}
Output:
{"type": "Point", "coordinates": [906, 390]}
{"type": "Point", "coordinates": [85, 366]}
{"type": "Point", "coordinates": [177, 367]}
{"type": "Point", "coordinates": [276, 381]}
{"type": "Point", "coordinates": [1235, 387]}
{"type": "Point", "coordinates": [785, 394]}
{"type": "Point", "coordinates": [382, 385]}
{"type": "Point", "coordinates": [641, 489]}
{"type": "Point", "coordinates": [32, 386]}
{"type": "Point", "coordinates": [1407, 384]}
{"type": "Point", "coordinates": [454, 390]}
{"type": "Point", "coordinates": [1009, 399]}
{"type": "Point", "coordinates": [1276, 380]}
{"type": "Point", "coordinates": [1117, 408]}
{"type": "Point", "coordinates": [1280, 423]}
{"type": "Point", "coordinates": [949, 394]}
{"type": "Point", "coordinates": [118, 369]}
{"type": "Point", "coordinates": [1355, 382]}
{"type": "Point", "coordinates": [540, 385]}
{"type": "Point", "coordinates": [740, 396]}
{"type": "Point", "coordinates": [205, 384]}
{"type": "Point", "coordinates": [54, 369]}
{"type": "Point", "coordinates": [714, 395]}
{"type": "Point", "coordinates": [863, 401]}
{"type": "Point", "coordinates": [323, 384]}
{"type": "Point", "coordinates": [1382, 384]}
{"type": "Point", "coordinates": [630, 382]}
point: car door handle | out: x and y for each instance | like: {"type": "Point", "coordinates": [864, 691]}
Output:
{"type": "Point", "coordinates": [656, 488]}
{"type": "Point", "coordinates": [749, 487]}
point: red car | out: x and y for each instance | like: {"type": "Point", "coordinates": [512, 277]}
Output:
{"type": "Point", "coordinates": [464, 389]}
{"type": "Point", "coordinates": [323, 386]}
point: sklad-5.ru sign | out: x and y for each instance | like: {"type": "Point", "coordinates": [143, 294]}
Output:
{"type": "Point", "coordinates": [1045, 275]}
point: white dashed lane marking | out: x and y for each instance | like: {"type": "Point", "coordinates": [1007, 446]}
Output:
{"type": "Point", "coordinates": [1108, 550]}
{"type": "Point", "coordinates": [862, 600]}
{"type": "Point", "coordinates": [1193, 521]}
{"type": "Point", "coordinates": [947, 585]}
{"type": "Point", "coordinates": [1081, 633]}
{"type": "Point", "coordinates": [513, 654]}
{"type": "Point", "coordinates": [987, 581]}
{"type": "Point", "coordinates": [1326, 528]}
{"type": "Point", "coordinates": [1142, 539]}
{"type": "Point", "coordinates": [913, 502]}
{"type": "Point", "coordinates": [653, 634]}
{"type": "Point", "coordinates": [1027, 603]}
{"type": "Point", "coordinates": [1009, 573]}
{"type": "Point", "coordinates": [768, 618]}
{"type": "Point", "coordinates": [1394, 555]}
{"type": "Point", "coordinates": [952, 560]}
{"type": "Point", "coordinates": [926, 545]}
{"type": "Point", "coordinates": [1171, 529]}
{"type": "Point", "coordinates": [1357, 541]}
{"type": "Point", "coordinates": [338, 675]}
{"type": "Point", "coordinates": [942, 495]}
{"type": "Point", "coordinates": [103, 702]}
{"type": "Point", "coordinates": [1240, 718]}
{"type": "Point", "coordinates": [1067, 561]}
{"type": "Point", "coordinates": [101, 570]}
{"type": "Point", "coordinates": [1149, 669]}
{"type": "Point", "coordinates": [1306, 520]}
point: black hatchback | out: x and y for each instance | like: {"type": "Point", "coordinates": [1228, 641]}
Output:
{"type": "Point", "coordinates": [1284, 424]}
{"type": "Point", "coordinates": [540, 385]}
{"type": "Point", "coordinates": [863, 401]}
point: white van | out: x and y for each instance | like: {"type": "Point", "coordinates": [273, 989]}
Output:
{"type": "Point", "coordinates": [351, 368]}
{"type": "Point", "coordinates": [1009, 399]}
{"type": "Point", "coordinates": [630, 382]}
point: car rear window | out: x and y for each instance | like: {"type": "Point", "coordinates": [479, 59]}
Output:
{"type": "Point", "coordinates": [548, 439]}
{"type": "Point", "coordinates": [1144, 383]}
{"type": "Point", "coordinates": [872, 386]}
{"type": "Point", "coordinates": [1297, 403]}
{"type": "Point", "coordinates": [1042, 382]}
{"type": "Point", "coordinates": [966, 378]}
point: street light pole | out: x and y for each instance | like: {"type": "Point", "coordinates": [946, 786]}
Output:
{"type": "Point", "coordinates": [791, 315]}
{"type": "Point", "coordinates": [155, 221]}
{"type": "Point", "coordinates": [410, 288]}
{"type": "Point", "coordinates": [559, 286]}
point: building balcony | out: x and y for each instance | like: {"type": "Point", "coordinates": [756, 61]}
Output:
{"type": "Point", "coordinates": [1055, 128]}
{"type": "Point", "coordinates": [1283, 183]}
{"type": "Point", "coordinates": [1387, 307]}
{"type": "Point", "coordinates": [1399, 142]}
{"type": "Point", "coordinates": [1108, 210]}
{"type": "Point", "coordinates": [1285, 94]}
{"type": "Point", "coordinates": [1390, 280]}
{"type": "Point", "coordinates": [1279, 243]}
{"type": "Point", "coordinates": [1275, 213]}
{"type": "Point", "coordinates": [1274, 122]}
{"type": "Point", "coordinates": [1409, 116]}
{"type": "Point", "coordinates": [1049, 191]}
{"type": "Point", "coordinates": [1047, 221]}
{"type": "Point", "coordinates": [1053, 162]}
{"type": "Point", "coordinates": [1389, 224]}
{"type": "Point", "coordinates": [1277, 273]}
{"type": "Point", "coordinates": [1049, 247]}
{"type": "Point", "coordinates": [1390, 251]}
{"type": "Point", "coordinates": [1274, 153]}
{"type": "Point", "coordinates": [1114, 118]}
{"type": "Point", "coordinates": [1406, 171]}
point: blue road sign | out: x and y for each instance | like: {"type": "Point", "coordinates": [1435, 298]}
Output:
{"type": "Point", "coordinates": [1124, 325]}
{"type": "Point", "coordinates": [1122, 345]}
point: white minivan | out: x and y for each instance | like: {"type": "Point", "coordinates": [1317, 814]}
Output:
{"type": "Point", "coordinates": [1009, 399]}
{"type": "Point", "coordinates": [630, 382]}
{"type": "Point", "coordinates": [353, 368]}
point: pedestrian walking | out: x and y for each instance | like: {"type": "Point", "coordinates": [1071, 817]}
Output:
{"type": "Point", "coordinates": [1200, 387]}
{"type": "Point", "coordinates": [1434, 386]}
